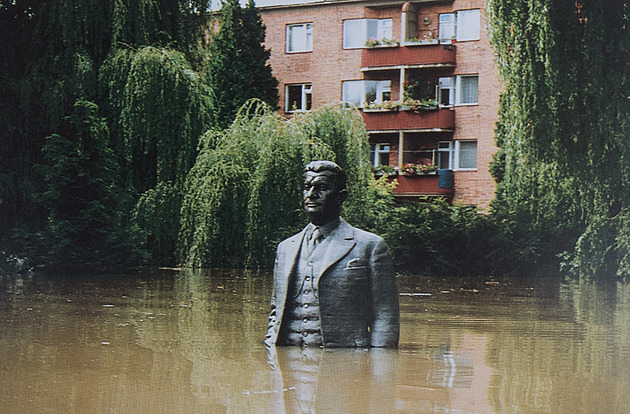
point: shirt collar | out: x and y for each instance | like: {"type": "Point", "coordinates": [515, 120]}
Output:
{"type": "Point", "coordinates": [327, 228]}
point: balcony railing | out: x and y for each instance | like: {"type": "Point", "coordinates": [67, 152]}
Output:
{"type": "Point", "coordinates": [422, 55]}
{"type": "Point", "coordinates": [423, 185]}
{"type": "Point", "coordinates": [431, 120]}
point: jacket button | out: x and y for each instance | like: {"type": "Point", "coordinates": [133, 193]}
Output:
{"type": "Point", "coordinates": [305, 320]}
{"type": "Point", "coordinates": [306, 292]}
{"type": "Point", "coordinates": [304, 334]}
{"type": "Point", "coordinates": [306, 306]}
{"type": "Point", "coordinates": [307, 278]}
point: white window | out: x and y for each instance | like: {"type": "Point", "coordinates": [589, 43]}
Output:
{"type": "Point", "coordinates": [446, 91]}
{"type": "Point", "coordinates": [361, 92]}
{"type": "Point", "coordinates": [457, 155]}
{"type": "Point", "coordinates": [380, 154]}
{"type": "Point", "coordinates": [446, 27]}
{"type": "Point", "coordinates": [297, 97]}
{"type": "Point", "coordinates": [300, 37]}
{"type": "Point", "coordinates": [467, 90]}
{"type": "Point", "coordinates": [468, 25]}
{"type": "Point", "coordinates": [358, 31]}
{"type": "Point", "coordinates": [458, 90]}
{"type": "Point", "coordinates": [462, 25]}
{"type": "Point", "coordinates": [466, 155]}
{"type": "Point", "coordinates": [444, 155]}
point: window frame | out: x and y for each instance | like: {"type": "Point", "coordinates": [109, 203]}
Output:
{"type": "Point", "coordinates": [462, 25]}
{"type": "Point", "coordinates": [459, 26]}
{"type": "Point", "coordinates": [383, 31]}
{"type": "Point", "coordinates": [458, 152]}
{"type": "Point", "coordinates": [454, 151]}
{"type": "Point", "coordinates": [382, 87]}
{"type": "Point", "coordinates": [308, 40]}
{"type": "Point", "coordinates": [306, 91]}
{"type": "Point", "coordinates": [454, 87]}
{"type": "Point", "coordinates": [380, 148]}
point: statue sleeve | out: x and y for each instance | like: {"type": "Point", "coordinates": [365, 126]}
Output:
{"type": "Point", "coordinates": [385, 326]}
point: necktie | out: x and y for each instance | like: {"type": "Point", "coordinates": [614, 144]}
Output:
{"type": "Point", "coordinates": [313, 240]}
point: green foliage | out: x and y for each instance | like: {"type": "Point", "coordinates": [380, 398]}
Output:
{"type": "Point", "coordinates": [434, 238]}
{"type": "Point", "coordinates": [143, 63]}
{"type": "Point", "coordinates": [158, 214]}
{"type": "Point", "coordinates": [80, 174]}
{"type": "Point", "coordinates": [162, 107]}
{"type": "Point", "coordinates": [243, 195]}
{"type": "Point", "coordinates": [563, 129]}
{"type": "Point", "coordinates": [238, 65]}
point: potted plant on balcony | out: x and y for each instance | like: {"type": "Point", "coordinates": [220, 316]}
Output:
{"type": "Point", "coordinates": [419, 95]}
{"type": "Point", "coordinates": [418, 169]}
{"type": "Point", "coordinates": [383, 106]}
{"type": "Point", "coordinates": [372, 43]}
{"type": "Point", "coordinates": [385, 170]}
{"type": "Point", "coordinates": [418, 105]}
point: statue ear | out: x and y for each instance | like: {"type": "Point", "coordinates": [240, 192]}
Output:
{"type": "Point", "coordinates": [343, 194]}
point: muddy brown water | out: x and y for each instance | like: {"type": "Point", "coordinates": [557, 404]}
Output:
{"type": "Point", "coordinates": [190, 342]}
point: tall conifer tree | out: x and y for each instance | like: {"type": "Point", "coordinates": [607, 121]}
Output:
{"type": "Point", "coordinates": [238, 63]}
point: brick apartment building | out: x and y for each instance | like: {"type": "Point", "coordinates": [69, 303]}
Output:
{"type": "Point", "coordinates": [421, 72]}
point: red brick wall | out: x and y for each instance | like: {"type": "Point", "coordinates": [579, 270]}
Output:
{"type": "Point", "coordinates": [329, 64]}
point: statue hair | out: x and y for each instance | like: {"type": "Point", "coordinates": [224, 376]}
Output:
{"type": "Point", "coordinates": [330, 167]}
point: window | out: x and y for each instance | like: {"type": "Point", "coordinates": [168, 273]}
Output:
{"type": "Point", "coordinates": [357, 31]}
{"type": "Point", "coordinates": [462, 25]}
{"type": "Point", "coordinates": [300, 37]}
{"type": "Point", "coordinates": [458, 90]}
{"type": "Point", "coordinates": [446, 27]}
{"type": "Point", "coordinates": [362, 92]}
{"type": "Point", "coordinates": [457, 155]}
{"type": "Point", "coordinates": [467, 90]}
{"type": "Point", "coordinates": [444, 155]}
{"type": "Point", "coordinates": [380, 154]}
{"type": "Point", "coordinates": [298, 97]}
{"type": "Point", "coordinates": [466, 155]}
{"type": "Point", "coordinates": [468, 25]}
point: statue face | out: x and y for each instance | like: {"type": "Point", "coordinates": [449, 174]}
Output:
{"type": "Point", "coordinates": [322, 200]}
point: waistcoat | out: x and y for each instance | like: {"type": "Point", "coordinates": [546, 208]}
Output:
{"type": "Point", "coordinates": [302, 322]}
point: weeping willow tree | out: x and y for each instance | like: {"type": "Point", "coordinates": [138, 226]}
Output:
{"type": "Point", "coordinates": [563, 162]}
{"type": "Point", "coordinates": [142, 62]}
{"type": "Point", "coordinates": [161, 107]}
{"type": "Point", "coordinates": [243, 194]}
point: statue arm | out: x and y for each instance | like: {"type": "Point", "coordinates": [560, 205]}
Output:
{"type": "Point", "coordinates": [272, 326]}
{"type": "Point", "coordinates": [385, 326]}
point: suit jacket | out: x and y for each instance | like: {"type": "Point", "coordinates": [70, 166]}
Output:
{"type": "Point", "coordinates": [358, 298]}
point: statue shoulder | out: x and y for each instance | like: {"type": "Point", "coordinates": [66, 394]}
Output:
{"type": "Point", "coordinates": [296, 238]}
{"type": "Point", "coordinates": [365, 236]}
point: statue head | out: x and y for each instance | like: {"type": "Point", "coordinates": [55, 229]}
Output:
{"type": "Point", "coordinates": [324, 191]}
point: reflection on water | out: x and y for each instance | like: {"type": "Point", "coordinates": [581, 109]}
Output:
{"type": "Point", "coordinates": [190, 341]}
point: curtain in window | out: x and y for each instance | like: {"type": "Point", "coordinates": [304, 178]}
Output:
{"type": "Point", "coordinates": [468, 86]}
{"type": "Point", "coordinates": [467, 154]}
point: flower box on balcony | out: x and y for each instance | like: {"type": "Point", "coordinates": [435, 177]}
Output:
{"type": "Point", "coordinates": [423, 42]}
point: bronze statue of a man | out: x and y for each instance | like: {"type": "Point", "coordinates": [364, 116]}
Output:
{"type": "Point", "coordinates": [334, 285]}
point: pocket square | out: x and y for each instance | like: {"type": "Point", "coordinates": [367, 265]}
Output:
{"type": "Point", "coordinates": [356, 263]}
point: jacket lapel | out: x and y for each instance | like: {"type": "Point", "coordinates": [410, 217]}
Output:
{"type": "Point", "coordinates": [342, 241]}
{"type": "Point", "coordinates": [293, 251]}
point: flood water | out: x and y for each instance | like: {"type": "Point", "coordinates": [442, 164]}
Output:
{"type": "Point", "coordinates": [190, 342]}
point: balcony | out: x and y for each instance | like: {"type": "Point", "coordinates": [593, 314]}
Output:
{"type": "Point", "coordinates": [423, 185]}
{"type": "Point", "coordinates": [430, 55]}
{"type": "Point", "coordinates": [439, 120]}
